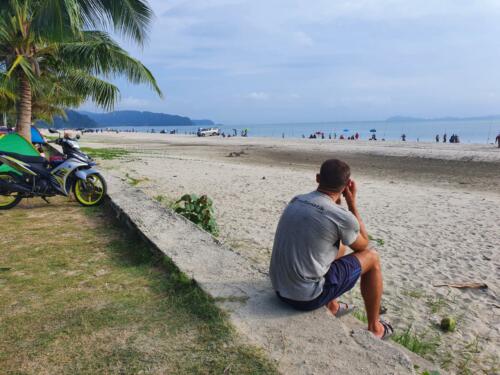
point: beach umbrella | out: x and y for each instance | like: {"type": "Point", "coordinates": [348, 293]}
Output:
{"type": "Point", "coordinates": [346, 130]}
{"type": "Point", "coordinates": [36, 136]}
{"type": "Point", "coordinates": [373, 130]}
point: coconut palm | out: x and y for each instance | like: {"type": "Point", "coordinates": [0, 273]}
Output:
{"type": "Point", "coordinates": [51, 55]}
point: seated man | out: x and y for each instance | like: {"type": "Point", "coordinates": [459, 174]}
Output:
{"type": "Point", "coordinates": [308, 267]}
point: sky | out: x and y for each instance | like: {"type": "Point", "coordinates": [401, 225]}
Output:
{"type": "Point", "coordinates": [278, 61]}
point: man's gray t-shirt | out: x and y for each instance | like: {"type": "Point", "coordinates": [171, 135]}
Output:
{"type": "Point", "coordinates": [306, 243]}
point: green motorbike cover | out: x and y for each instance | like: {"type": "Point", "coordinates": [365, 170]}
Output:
{"type": "Point", "coordinates": [15, 143]}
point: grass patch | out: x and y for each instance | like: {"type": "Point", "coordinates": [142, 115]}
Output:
{"type": "Point", "coordinates": [80, 295]}
{"type": "Point", "coordinates": [51, 137]}
{"type": "Point", "coordinates": [436, 304]}
{"type": "Point", "coordinates": [167, 202]}
{"type": "Point", "coordinates": [360, 315]}
{"type": "Point", "coordinates": [135, 181]}
{"type": "Point", "coordinates": [417, 343]}
{"type": "Point", "coordinates": [417, 294]}
{"type": "Point", "coordinates": [378, 241]}
{"type": "Point", "coordinates": [105, 153]}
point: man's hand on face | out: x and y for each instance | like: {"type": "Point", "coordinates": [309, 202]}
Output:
{"type": "Point", "coordinates": [349, 194]}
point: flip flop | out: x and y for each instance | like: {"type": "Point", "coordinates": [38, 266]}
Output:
{"type": "Point", "coordinates": [344, 309]}
{"type": "Point", "coordinates": [388, 330]}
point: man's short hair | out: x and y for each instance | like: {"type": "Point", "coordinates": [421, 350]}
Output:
{"type": "Point", "coordinates": [334, 175]}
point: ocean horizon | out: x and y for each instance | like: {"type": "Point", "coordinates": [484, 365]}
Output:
{"type": "Point", "coordinates": [469, 131]}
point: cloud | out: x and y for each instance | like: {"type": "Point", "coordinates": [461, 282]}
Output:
{"type": "Point", "coordinates": [373, 58]}
{"type": "Point", "coordinates": [257, 95]}
{"type": "Point", "coordinates": [303, 39]}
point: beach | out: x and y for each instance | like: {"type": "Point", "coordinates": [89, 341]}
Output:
{"type": "Point", "coordinates": [433, 211]}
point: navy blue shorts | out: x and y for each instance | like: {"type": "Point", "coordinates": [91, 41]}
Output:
{"type": "Point", "coordinates": [340, 278]}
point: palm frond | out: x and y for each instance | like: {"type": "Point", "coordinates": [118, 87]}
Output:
{"type": "Point", "coordinates": [23, 64]}
{"type": "Point", "coordinates": [55, 19]}
{"type": "Point", "coordinates": [131, 18]}
{"type": "Point", "coordinates": [102, 93]}
{"type": "Point", "coordinates": [101, 55]}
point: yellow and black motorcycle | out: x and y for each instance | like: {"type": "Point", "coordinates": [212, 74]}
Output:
{"type": "Point", "coordinates": [34, 176]}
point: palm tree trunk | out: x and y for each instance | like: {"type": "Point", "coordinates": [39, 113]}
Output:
{"type": "Point", "coordinates": [23, 126]}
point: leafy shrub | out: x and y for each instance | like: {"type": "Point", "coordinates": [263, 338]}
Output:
{"type": "Point", "coordinates": [199, 210]}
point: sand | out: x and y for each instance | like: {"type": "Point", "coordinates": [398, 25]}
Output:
{"type": "Point", "coordinates": [435, 207]}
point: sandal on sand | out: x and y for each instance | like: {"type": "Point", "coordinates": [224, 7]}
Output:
{"type": "Point", "coordinates": [388, 330]}
{"type": "Point", "coordinates": [344, 309]}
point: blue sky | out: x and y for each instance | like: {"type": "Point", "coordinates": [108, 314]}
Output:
{"type": "Point", "coordinates": [238, 61]}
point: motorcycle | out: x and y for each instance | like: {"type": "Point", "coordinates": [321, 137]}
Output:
{"type": "Point", "coordinates": [35, 176]}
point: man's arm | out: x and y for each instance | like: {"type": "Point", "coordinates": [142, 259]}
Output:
{"type": "Point", "coordinates": [362, 242]}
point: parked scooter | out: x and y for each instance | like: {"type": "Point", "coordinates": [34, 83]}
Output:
{"type": "Point", "coordinates": [34, 176]}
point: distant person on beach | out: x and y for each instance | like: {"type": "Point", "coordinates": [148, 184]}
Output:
{"type": "Point", "coordinates": [497, 140]}
{"type": "Point", "coordinates": [403, 137]}
{"type": "Point", "coordinates": [444, 138]}
{"type": "Point", "coordinates": [437, 138]}
{"type": "Point", "coordinates": [309, 268]}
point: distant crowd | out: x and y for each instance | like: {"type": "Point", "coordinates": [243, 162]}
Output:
{"type": "Point", "coordinates": [454, 138]}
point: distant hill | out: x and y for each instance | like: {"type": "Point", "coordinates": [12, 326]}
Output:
{"type": "Point", "coordinates": [203, 122]}
{"type": "Point", "coordinates": [74, 120]}
{"type": "Point", "coordinates": [413, 119]}
{"type": "Point", "coordinates": [137, 118]}
{"type": "Point", "coordinates": [82, 119]}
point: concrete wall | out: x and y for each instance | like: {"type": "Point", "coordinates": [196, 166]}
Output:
{"type": "Point", "coordinates": [300, 343]}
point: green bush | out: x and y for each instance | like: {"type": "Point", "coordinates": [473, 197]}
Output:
{"type": "Point", "coordinates": [199, 210]}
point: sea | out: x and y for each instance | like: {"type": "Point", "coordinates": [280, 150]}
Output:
{"type": "Point", "coordinates": [468, 131]}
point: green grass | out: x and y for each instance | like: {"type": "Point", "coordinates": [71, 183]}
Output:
{"type": "Point", "coordinates": [133, 181]}
{"type": "Point", "coordinates": [51, 137]}
{"type": "Point", "coordinates": [167, 202]}
{"type": "Point", "coordinates": [417, 294]}
{"type": "Point", "coordinates": [417, 343]}
{"type": "Point", "coordinates": [360, 315]}
{"type": "Point", "coordinates": [436, 304]}
{"type": "Point", "coordinates": [105, 153]}
{"type": "Point", "coordinates": [379, 241]}
{"type": "Point", "coordinates": [78, 294]}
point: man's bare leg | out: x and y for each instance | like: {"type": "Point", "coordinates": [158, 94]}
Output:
{"type": "Point", "coordinates": [333, 305]}
{"type": "Point", "coordinates": [371, 288]}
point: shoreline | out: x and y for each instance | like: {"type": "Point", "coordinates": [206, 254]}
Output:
{"type": "Point", "coordinates": [428, 150]}
{"type": "Point", "coordinates": [190, 131]}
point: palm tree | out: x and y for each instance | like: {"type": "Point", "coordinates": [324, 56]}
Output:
{"type": "Point", "coordinates": [51, 56]}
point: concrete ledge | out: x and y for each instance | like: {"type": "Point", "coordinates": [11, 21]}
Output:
{"type": "Point", "coordinates": [300, 343]}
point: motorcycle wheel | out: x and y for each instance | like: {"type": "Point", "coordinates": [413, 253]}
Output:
{"type": "Point", "coordinates": [90, 192]}
{"type": "Point", "coordinates": [9, 200]}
